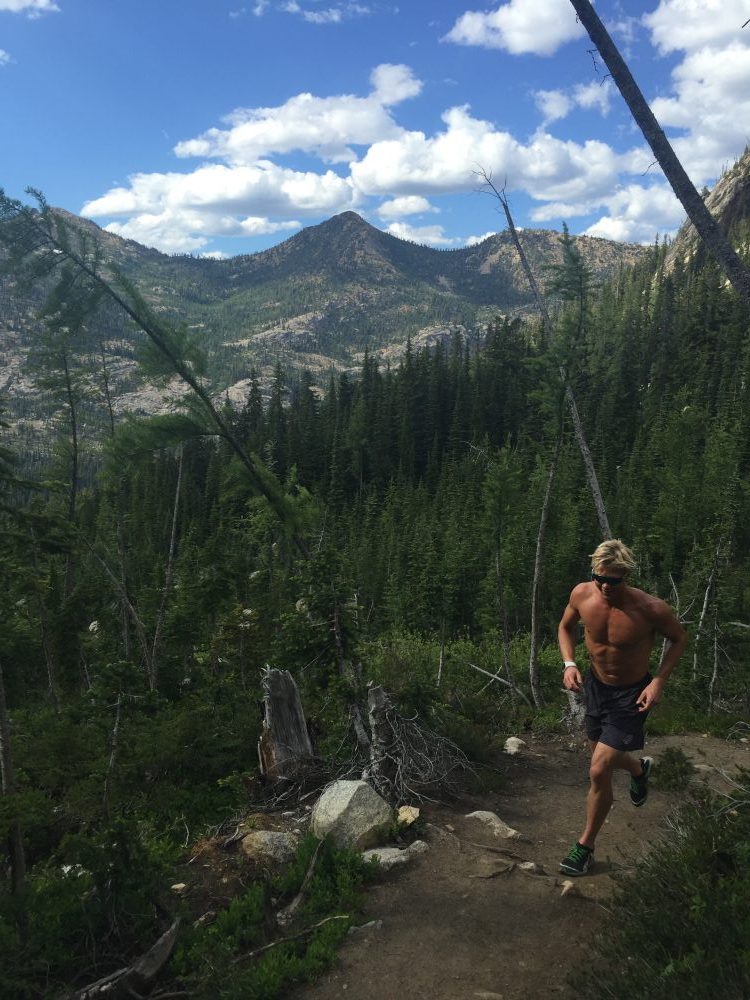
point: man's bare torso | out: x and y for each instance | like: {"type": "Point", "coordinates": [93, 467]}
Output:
{"type": "Point", "coordinates": [619, 636]}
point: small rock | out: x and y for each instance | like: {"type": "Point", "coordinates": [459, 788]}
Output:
{"type": "Point", "coordinates": [270, 846]}
{"type": "Point", "coordinates": [373, 925]}
{"type": "Point", "coordinates": [408, 815]}
{"type": "Point", "coordinates": [178, 887]}
{"type": "Point", "coordinates": [389, 857]}
{"type": "Point", "coordinates": [449, 828]}
{"type": "Point", "coordinates": [531, 868]}
{"type": "Point", "coordinates": [513, 745]}
{"type": "Point", "coordinates": [207, 918]}
{"type": "Point", "coordinates": [497, 826]}
{"type": "Point", "coordinates": [568, 889]}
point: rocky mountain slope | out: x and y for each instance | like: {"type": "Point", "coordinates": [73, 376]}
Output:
{"type": "Point", "coordinates": [315, 301]}
{"type": "Point", "coordinates": [729, 202]}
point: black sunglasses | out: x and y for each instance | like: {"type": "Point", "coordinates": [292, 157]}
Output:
{"type": "Point", "coordinates": [611, 580]}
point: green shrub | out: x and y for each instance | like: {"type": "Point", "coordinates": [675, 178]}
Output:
{"type": "Point", "coordinates": [209, 960]}
{"type": "Point", "coordinates": [673, 770]}
{"type": "Point", "coordinates": [680, 926]}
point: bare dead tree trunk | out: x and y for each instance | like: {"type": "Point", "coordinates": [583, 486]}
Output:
{"type": "Point", "coordinates": [50, 659]}
{"type": "Point", "coordinates": [139, 626]}
{"type": "Point", "coordinates": [705, 224]}
{"type": "Point", "coordinates": [112, 752]}
{"type": "Point", "coordinates": [534, 680]}
{"type": "Point", "coordinates": [347, 675]}
{"type": "Point", "coordinates": [588, 462]}
{"type": "Point", "coordinates": [7, 774]}
{"type": "Point", "coordinates": [704, 609]}
{"type": "Point", "coordinates": [503, 614]}
{"type": "Point", "coordinates": [383, 770]}
{"type": "Point", "coordinates": [441, 657]}
{"type": "Point", "coordinates": [168, 578]}
{"type": "Point", "coordinates": [74, 461]}
{"type": "Point", "coordinates": [715, 673]}
{"type": "Point", "coordinates": [121, 550]}
{"type": "Point", "coordinates": [284, 745]}
{"type": "Point", "coordinates": [118, 509]}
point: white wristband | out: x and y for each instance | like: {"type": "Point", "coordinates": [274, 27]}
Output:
{"type": "Point", "coordinates": [568, 663]}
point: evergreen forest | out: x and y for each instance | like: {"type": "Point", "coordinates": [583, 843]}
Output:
{"type": "Point", "coordinates": [381, 529]}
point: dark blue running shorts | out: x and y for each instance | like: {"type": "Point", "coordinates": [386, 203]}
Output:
{"type": "Point", "coordinates": [612, 716]}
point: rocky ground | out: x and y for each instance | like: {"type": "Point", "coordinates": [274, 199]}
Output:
{"type": "Point", "coordinates": [464, 921]}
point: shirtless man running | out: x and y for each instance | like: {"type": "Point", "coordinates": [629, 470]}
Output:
{"type": "Point", "coordinates": [620, 624]}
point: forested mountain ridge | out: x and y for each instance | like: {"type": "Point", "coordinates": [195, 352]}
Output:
{"type": "Point", "coordinates": [315, 301]}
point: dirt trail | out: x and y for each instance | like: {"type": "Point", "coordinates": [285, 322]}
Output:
{"type": "Point", "coordinates": [450, 932]}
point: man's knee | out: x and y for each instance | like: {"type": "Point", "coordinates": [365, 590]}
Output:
{"type": "Point", "coordinates": [601, 770]}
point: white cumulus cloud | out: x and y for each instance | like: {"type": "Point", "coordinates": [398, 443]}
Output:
{"type": "Point", "coordinates": [4, 57]}
{"type": "Point", "coordinates": [594, 96]}
{"type": "Point", "coordinates": [546, 168]}
{"type": "Point", "coordinates": [181, 212]}
{"type": "Point", "coordinates": [553, 104]}
{"type": "Point", "coordinates": [324, 126]}
{"type": "Point", "coordinates": [330, 15]}
{"type": "Point", "coordinates": [688, 25]}
{"type": "Point", "coordinates": [519, 27]}
{"type": "Point", "coordinates": [32, 8]}
{"type": "Point", "coordinates": [637, 214]}
{"type": "Point", "coordinates": [712, 104]}
{"type": "Point", "coordinates": [710, 100]}
{"type": "Point", "coordinates": [433, 236]}
{"type": "Point", "coordinates": [474, 240]}
{"type": "Point", "coordinates": [397, 208]}
{"type": "Point", "coordinates": [557, 104]}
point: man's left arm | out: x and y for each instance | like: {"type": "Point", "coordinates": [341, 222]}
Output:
{"type": "Point", "coordinates": [666, 623]}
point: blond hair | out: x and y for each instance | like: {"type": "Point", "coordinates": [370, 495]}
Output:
{"type": "Point", "coordinates": [612, 554]}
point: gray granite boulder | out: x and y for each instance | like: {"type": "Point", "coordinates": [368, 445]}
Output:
{"type": "Point", "coordinates": [352, 814]}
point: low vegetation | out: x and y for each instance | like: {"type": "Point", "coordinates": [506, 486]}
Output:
{"type": "Point", "coordinates": [680, 925]}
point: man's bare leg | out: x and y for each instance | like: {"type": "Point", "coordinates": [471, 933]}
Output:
{"type": "Point", "coordinates": [604, 760]}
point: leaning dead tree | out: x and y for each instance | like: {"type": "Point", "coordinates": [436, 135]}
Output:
{"type": "Point", "coordinates": [580, 436]}
{"type": "Point", "coordinates": [588, 462]}
{"type": "Point", "coordinates": [705, 224]}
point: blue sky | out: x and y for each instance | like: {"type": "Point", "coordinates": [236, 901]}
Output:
{"type": "Point", "coordinates": [213, 127]}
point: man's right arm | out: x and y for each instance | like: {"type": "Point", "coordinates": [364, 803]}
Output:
{"type": "Point", "coordinates": [566, 638]}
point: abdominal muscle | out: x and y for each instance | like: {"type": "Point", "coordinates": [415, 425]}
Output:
{"type": "Point", "coordinates": [619, 664]}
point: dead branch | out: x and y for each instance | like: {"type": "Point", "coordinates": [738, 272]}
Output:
{"type": "Point", "coordinates": [285, 940]}
{"type": "Point", "coordinates": [501, 680]}
{"type": "Point", "coordinates": [136, 979]}
{"type": "Point", "coordinates": [497, 850]}
{"type": "Point", "coordinates": [284, 917]}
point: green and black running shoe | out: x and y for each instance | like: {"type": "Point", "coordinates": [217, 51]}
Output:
{"type": "Point", "coordinates": [639, 786]}
{"type": "Point", "coordinates": [578, 861]}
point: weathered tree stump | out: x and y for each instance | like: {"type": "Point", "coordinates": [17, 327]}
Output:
{"type": "Point", "coordinates": [384, 762]}
{"type": "Point", "coordinates": [284, 745]}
